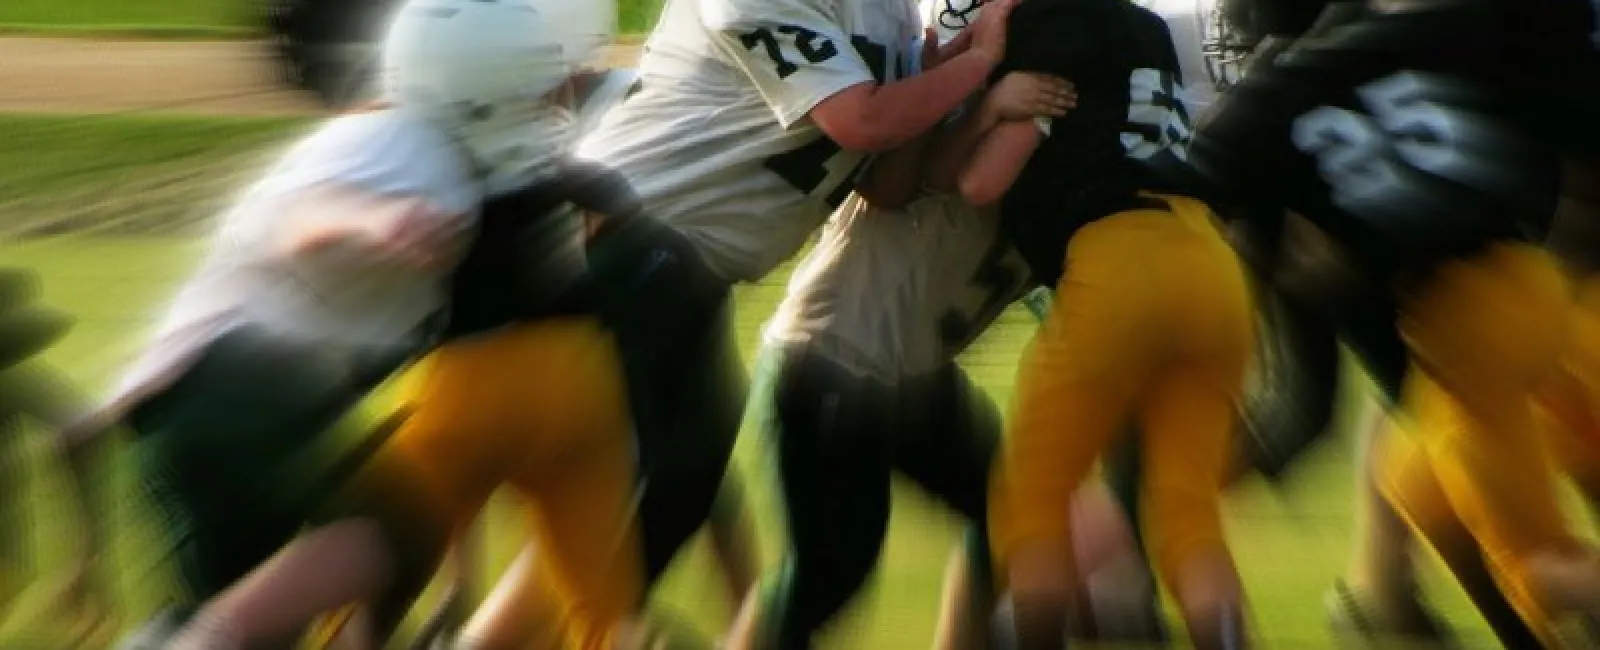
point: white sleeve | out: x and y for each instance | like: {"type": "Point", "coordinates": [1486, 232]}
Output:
{"type": "Point", "coordinates": [385, 153]}
{"type": "Point", "coordinates": [375, 174]}
{"type": "Point", "coordinates": [794, 51]}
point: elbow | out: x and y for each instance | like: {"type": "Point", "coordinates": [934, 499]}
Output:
{"type": "Point", "coordinates": [979, 191]}
{"type": "Point", "coordinates": [856, 122]}
{"type": "Point", "coordinates": [862, 135]}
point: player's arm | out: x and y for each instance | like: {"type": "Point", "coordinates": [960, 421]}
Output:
{"type": "Point", "coordinates": [340, 224]}
{"type": "Point", "coordinates": [1021, 98]}
{"type": "Point", "coordinates": [874, 118]}
{"type": "Point", "coordinates": [803, 64]}
{"type": "Point", "coordinates": [894, 178]}
{"type": "Point", "coordinates": [998, 161]}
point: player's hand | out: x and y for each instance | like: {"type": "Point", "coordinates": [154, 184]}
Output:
{"type": "Point", "coordinates": [989, 31]}
{"type": "Point", "coordinates": [935, 55]}
{"type": "Point", "coordinates": [932, 55]}
{"type": "Point", "coordinates": [1027, 95]}
{"type": "Point", "coordinates": [958, 45]}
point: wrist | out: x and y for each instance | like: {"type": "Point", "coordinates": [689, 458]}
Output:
{"type": "Point", "coordinates": [986, 117]}
{"type": "Point", "coordinates": [987, 57]}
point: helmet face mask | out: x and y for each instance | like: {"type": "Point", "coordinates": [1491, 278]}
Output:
{"type": "Point", "coordinates": [1222, 44]}
{"type": "Point", "coordinates": [957, 14]}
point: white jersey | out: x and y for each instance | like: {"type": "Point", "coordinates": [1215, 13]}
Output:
{"type": "Point", "coordinates": [897, 293]}
{"type": "Point", "coordinates": [1186, 21]}
{"type": "Point", "coordinates": [717, 141]}
{"type": "Point", "coordinates": [338, 298]}
{"type": "Point", "coordinates": [891, 294]}
{"type": "Point", "coordinates": [608, 91]}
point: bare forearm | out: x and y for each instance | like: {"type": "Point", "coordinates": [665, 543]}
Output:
{"type": "Point", "coordinates": [952, 148]}
{"type": "Point", "coordinates": [895, 177]}
{"type": "Point", "coordinates": [884, 118]}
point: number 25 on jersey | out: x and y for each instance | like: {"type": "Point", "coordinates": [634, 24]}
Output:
{"type": "Point", "coordinates": [1382, 162]}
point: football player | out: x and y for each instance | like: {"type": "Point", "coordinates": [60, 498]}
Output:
{"type": "Point", "coordinates": [33, 392]}
{"type": "Point", "coordinates": [1411, 136]}
{"type": "Point", "coordinates": [861, 359]}
{"type": "Point", "coordinates": [749, 125]}
{"type": "Point", "coordinates": [329, 273]}
{"type": "Point", "coordinates": [1151, 319]}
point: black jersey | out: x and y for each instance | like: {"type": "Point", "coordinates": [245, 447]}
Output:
{"type": "Point", "coordinates": [527, 260]}
{"type": "Point", "coordinates": [1414, 136]}
{"type": "Point", "coordinates": [1095, 160]}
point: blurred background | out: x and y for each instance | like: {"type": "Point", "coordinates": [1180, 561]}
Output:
{"type": "Point", "coordinates": [125, 123]}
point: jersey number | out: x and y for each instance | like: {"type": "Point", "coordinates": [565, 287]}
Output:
{"type": "Point", "coordinates": [1364, 159]}
{"type": "Point", "coordinates": [805, 42]}
{"type": "Point", "coordinates": [806, 167]}
{"type": "Point", "coordinates": [1158, 119]}
{"type": "Point", "coordinates": [1000, 280]}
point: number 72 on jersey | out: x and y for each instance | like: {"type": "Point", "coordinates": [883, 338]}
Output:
{"type": "Point", "coordinates": [820, 168]}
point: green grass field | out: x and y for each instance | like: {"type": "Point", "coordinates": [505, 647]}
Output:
{"type": "Point", "coordinates": [192, 19]}
{"type": "Point", "coordinates": [1290, 544]}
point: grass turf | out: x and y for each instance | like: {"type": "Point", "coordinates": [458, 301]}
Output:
{"type": "Point", "coordinates": [49, 155]}
{"type": "Point", "coordinates": [1290, 544]}
{"type": "Point", "coordinates": [191, 19]}
{"type": "Point", "coordinates": [125, 173]}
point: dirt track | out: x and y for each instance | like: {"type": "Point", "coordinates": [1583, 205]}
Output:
{"type": "Point", "coordinates": [196, 78]}
{"type": "Point", "coordinates": [211, 78]}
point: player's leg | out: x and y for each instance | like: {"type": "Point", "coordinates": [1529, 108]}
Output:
{"type": "Point", "coordinates": [1189, 419]}
{"type": "Point", "coordinates": [734, 542]}
{"type": "Point", "coordinates": [1110, 552]}
{"type": "Point", "coordinates": [1186, 459]}
{"type": "Point", "coordinates": [967, 604]}
{"type": "Point", "coordinates": [449, 454]}
{"type": "Point", "coordinates": [833, 435]}
{"type": "Point", "coordinates": [1379, 593]}
{"type": "Point", "coordinates": [579, 482]}
{"type": "Point", "coordinates": [389, 530]}
{"type": "Point", "coordinates": [524, 605]}
{"type": "Point", "coordinates": [947, 442]}
{"type": "Point", "coordinates": [1484, 331]}
{"type": "Point", "coordinates": [673, 322]}
{"type": "Point", "coordinates": [1405, 481]}
{"type": "Point", "coordinates": [226, 451]}
{"type": "Point", "coordinates": [582, 487]}
{"type": "Point", "coordinates": [1570, 402]}
{"type": "Point", "coordinates": [1076, 384]}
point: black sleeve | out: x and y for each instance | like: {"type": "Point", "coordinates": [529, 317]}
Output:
{"type": "Point", "coordinates": [525, 261]}
{"type": "Point", "coordinates": [597, 188]}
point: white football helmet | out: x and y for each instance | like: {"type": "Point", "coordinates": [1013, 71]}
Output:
{"type": "Point", "coordinates": [588, 24]}
{"type": "Point", "coordinates": [485, 72]}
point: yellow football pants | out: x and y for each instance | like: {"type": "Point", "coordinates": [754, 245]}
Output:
{"type": "Point", "coordinates": [540, 407]}
{"type": "Point", "coordinates": [1570, 401]}
{"type": "Point", "coordinates": [1485, 334]}
{"type": "Point", "coordinates": [1152, 320]}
